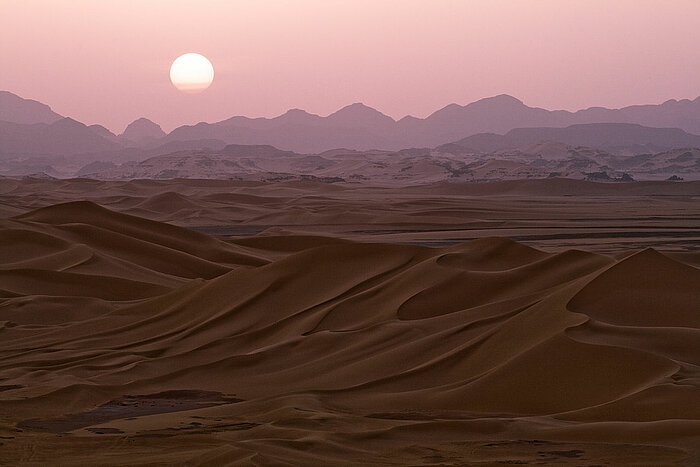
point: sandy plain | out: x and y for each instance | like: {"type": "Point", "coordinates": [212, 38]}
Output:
{"type": "Point", "coordinates": [210, 322]}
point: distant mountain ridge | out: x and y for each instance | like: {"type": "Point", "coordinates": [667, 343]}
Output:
{"type": "Point", "coordinates": [355, 126]}
{"type": "Point", "coordinates": [15, 109]}
{"type": "Point", "coordinates": [607, 136]}
{"type": "Point", "coordinates": [143, 130]}
{"type": "Point", "coordinates": [360, 127]}
{"type": "Point", "coordinates": [62, 137]}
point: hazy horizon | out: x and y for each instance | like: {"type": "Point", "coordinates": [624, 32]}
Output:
{"type": "Point", "coordinates": [105, 63]}
{"type": "Point", "coordinates": [118, 131]}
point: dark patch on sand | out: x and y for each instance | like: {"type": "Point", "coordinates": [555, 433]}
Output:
{"type": "Point", "coordinates": [572, 453]}
{"type": "Point", "coordinates": [199, 428]}
{"type": "Point", "coordinates": [9, 387]}
{"type": "Point", "coordinates": [401, 416]}
{"type": "Point", "coordinates": [104, 430]}
{"type": "Point", "coordinates": [132, 406]}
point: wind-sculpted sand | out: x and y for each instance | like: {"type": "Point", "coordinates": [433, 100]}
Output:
{"type": "Point", "coordinates": [125, 340]}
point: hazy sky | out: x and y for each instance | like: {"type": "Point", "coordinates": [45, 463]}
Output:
{"type": "Point", "coordinates": [108, 61]}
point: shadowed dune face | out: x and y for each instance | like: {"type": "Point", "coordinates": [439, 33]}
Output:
{"type": "Point", "coordinates": [646, 289]}
{"type": "Point", "coordinates": [331, 351]}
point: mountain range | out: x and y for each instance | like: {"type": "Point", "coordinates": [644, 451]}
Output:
{"type": "Point", "coordinates": [360, 127]}
{"type": "Point", "coordinates": [613, 137]}
{"type": "Point", "coordinates": [30, 128]}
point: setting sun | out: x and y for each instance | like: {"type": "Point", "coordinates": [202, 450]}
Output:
{"type": "Point", "coordinates": [191, 73]}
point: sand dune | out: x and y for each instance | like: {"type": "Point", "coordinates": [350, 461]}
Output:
{"type": "Point", "coordinates": [552, 214]}
{"type": "Point", "coordinates": [171, 346]}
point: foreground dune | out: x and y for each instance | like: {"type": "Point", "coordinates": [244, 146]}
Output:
{"type": "Point", "coordinates": [125, 340]}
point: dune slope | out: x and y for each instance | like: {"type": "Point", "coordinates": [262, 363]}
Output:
{"type": "Point", "coordinates": [173, 346]}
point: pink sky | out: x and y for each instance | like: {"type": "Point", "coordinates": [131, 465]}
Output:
{"type": "Point", "coordinates": [107, 61]}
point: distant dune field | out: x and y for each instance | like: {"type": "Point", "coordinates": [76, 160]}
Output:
{"type": "Point", "coordinates": [555, 214]}
{"type": "Point", "coordinates": [204, 322]}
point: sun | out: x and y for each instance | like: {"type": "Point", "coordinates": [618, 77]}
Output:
{"type": "Point", "coordinates": [191, 73]}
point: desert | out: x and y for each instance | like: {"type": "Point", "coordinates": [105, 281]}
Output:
{"type": "Point", "coordinates": [211, 321]}
{"type": "Point", "coordinates": [350, 233]}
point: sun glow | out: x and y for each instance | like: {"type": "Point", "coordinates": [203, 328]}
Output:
{"type": "Point", "coordinates": [191, 73]}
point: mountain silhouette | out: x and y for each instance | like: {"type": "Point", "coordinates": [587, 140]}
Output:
{"type": "Point", "coordinates": [607, 136]}
{"type": "Point", "coordinates": [104, 133]}
{"type": "Point", "coordinates": [359, 127]}
{"type": "Point", "coordinates": [143, 130]}
{"type": "Point", "coordinates": [63, 137]}
{"type": "Point", "coordinates": [359, 115]}
{"type": "Point", "coordinates": [17, 110]}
